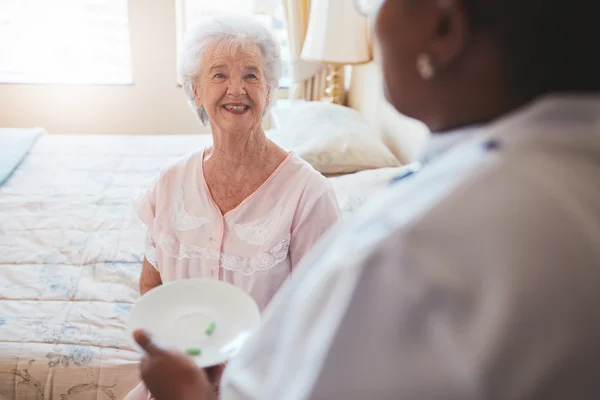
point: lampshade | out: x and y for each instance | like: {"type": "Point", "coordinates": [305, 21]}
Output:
{"type": "Point", "coordinates": [337, 34]}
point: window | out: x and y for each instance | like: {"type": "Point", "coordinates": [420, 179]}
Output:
{"type": "Point", "coordinates": [65, 41]}
{"type": "Point", "coordinates": [191, 10]}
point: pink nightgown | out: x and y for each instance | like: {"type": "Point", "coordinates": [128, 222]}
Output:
{"type": "Point", "coordinates": [254, 246]}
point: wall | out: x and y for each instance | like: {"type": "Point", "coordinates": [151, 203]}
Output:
{"type": "Point", "coordinates": [154, 104]}
{"type": "Point", "coordinates": [404, 136]}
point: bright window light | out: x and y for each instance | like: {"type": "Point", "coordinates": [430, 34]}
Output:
{"type": "Point", "coordinates": [65, 42]}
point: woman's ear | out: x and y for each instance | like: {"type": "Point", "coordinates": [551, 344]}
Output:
{"type": "Point", "coordinates": [197, 99]}
{"type": "Point", "coordinates": [268, 99]}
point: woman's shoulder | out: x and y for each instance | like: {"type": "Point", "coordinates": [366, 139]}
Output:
{"type": "Point", "coordinates": [181, 168]}
{"type": "Point", "coordinates": [303, 173]}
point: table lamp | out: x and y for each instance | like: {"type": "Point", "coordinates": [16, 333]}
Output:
{"type": "Point", "coordinates": [337, 35]}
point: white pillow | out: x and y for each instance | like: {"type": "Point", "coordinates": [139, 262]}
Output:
{"type": "Point", "coordinates": [332, 138]}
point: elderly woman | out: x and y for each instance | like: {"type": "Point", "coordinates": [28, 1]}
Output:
{"type": "Point", "coordinates": [243, 210]}
{"type": "Point", "coordinates": [477, 277]}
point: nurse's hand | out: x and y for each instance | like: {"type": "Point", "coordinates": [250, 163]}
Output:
{"type": "Point", "coordinates": [170, 375]}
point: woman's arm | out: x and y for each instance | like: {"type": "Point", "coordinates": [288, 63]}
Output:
{"type": "Point", "coordinates": [145, 205]}
{"type": "Point", "coordinates": [149, 278]}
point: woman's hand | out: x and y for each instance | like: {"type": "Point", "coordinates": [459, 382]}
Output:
{"type": "Point", "coordinates": [149, 277]}
{"type": "Point", "coordinates": [171, 375]}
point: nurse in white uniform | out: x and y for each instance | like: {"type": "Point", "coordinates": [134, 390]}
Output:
{"type": "Point", "coordinates": [477, 277]}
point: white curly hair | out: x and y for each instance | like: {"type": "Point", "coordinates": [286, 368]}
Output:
{"type": "Point", "coordinates": [231, 30]}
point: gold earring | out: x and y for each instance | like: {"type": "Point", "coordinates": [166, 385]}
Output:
{"type": "Point", "coordinates": [425, 66]}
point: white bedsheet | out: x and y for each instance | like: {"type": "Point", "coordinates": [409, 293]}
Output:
{"type": "Point", "coordinates": [70, 254]}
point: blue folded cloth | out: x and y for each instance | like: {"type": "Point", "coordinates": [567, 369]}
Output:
{"type": "Point", "coordinates": [14, 146]}
{"type": "Point", "coordinates": [407, 171]}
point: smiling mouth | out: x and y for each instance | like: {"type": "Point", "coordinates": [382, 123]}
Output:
{"type": "Point", "coordinates": [236, 108]}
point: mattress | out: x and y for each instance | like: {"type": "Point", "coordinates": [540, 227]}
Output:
{"type": "Point", "coordinates": [71, 249]}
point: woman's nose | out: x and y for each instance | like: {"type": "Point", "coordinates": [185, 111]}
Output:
{"type": "Point", "coordinates": [236, 87]}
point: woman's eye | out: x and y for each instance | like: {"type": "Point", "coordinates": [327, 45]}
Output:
{"type": "Point", "coordinates": [219, 76]}
{"type": "Point", "coordinates": [251, 76]}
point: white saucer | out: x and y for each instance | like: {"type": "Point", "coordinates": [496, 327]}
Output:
{"type": "Point", "coordinates": [178, 313]}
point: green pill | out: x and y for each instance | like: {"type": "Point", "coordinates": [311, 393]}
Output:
{"type": "Point", "coordinates": [193, 352]}
{"type": "Point", "coordinates": [210, 329]}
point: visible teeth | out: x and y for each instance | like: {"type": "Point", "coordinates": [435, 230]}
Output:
{"type": "Point", "coordinates": [235, 108]}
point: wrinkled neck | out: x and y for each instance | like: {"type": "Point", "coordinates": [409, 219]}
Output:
{"type": "Point", "coordinates": [235, 148]}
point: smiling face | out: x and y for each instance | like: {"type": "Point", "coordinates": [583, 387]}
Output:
{"type": "Point", "coordinates": [232, 87]}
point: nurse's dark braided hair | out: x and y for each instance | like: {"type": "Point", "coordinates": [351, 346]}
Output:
{"type": "Point", "coordinates": [547, 45]}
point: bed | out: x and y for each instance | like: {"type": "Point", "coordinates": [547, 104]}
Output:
{"type": "Point", "coordinates": [71, 246]}
{"type": "Point", "coordinates": [71, 249]}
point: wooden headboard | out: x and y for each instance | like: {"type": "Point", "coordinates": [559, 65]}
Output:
{"type": "Point", "coordinates": [403, 135]}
